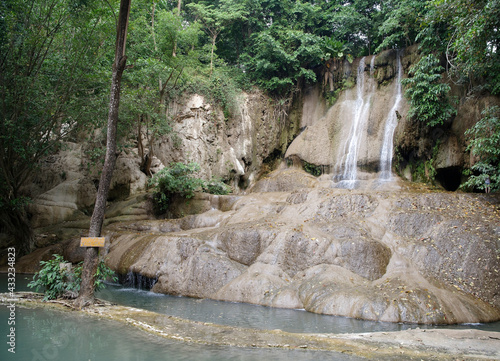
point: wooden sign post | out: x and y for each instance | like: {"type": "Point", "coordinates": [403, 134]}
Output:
{"type": "Point", "coordinates": [92, 242]}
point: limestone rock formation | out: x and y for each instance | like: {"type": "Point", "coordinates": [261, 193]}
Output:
{"type": "Point", "coordinates": [403, 256]}
{"type": "Point", "coordinates": [233, 150]}
{"type": "Point", "coordinates": [370, 97]}
{"type": "Point", "coordinates": [60, 190]}
{"type": "Point", "coordinates": [393, 253]}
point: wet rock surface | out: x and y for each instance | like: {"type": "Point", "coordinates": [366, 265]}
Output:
{"type": "Point", "coordinates": [410, 255]}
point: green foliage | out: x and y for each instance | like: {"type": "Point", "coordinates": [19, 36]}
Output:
{"type": "Point", "coordinates": [216, 186]}
{"type": "Point", "coordinates": [102, 274]}
{"type": "Point", "coordinates": [333, 48]}
{"type": "Point", "coordinates": [54, 279]}
{"type": "Point", "coordinates": [52, 82]}
{"type": "Point", "coordinates": [279, 57]}
{"type": "Point", "coordinates": [216, 17]}
{"type": "Point", "coordinates": [313, 169]}
{"type": "Point", "coordinates": [58, 281]}
{"type": "Point", "coordinates": [418, 172]}
{"type": "Point", "coordinates": [428, 96]}
{"type": "Point", "coordinates": [472, 39]}
{"type": "Point", "coordinates": [484, 145]}
{"type": "Point", "coordinates": [223, 90]}
{"type": "Point", "coordinates": [332, 96]}
{"type": "Point", "coordinates": [180, 180]}
{"type": "Point", "coordinates": [424, 170]}
{"type": "Point", "coordinates": [401, 23]}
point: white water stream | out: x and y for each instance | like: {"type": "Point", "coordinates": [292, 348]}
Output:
{"type": "Point", "coordinates": [349, 161]}
{"type": "Point", "coordinates": [390, 126]}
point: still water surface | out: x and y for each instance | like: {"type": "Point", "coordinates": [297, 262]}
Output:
{"type": "Point", "coordinates": [48, 335]}
{"type": "Point", "coordinates": [257, 317]}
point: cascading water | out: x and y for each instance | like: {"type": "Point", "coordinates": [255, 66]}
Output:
{"type": "Point", "coordinates": [136, 280]}
{"type": "Point", "coordinates": [348, 165]}
{"type": "Point", "coordinates": [354, 135]}
{"type": "Point", "coordinates": [390, 126]}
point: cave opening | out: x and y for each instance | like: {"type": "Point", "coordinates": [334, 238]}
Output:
{"type": "Point", "coordinates": [450, 178]}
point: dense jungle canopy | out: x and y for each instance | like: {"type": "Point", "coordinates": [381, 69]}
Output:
{"type": "Point", "coordinates": [56, 56]}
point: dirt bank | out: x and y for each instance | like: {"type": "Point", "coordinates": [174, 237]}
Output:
{"type": "Point", "coordinates": [415, 344]}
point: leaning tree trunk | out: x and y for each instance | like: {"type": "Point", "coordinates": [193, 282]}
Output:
{"type": "Point", "coordinates": [86, 295]}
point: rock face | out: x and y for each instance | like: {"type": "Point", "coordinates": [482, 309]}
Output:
{"type": "Point", "coordinates": [61, 190]}
{"type": "Point", "coordinates": [362, 108]}
{"type": "Point", "coordinates": [238, 149]}
{"type": "Point", "coordinates": [234, 150]}
{"type": "Point", "coordinates": [365, 106]}
{"type": "Point", "coordinates": [403, 256]}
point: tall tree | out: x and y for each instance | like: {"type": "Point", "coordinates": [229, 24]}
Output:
{"type": "Point", "coordinates": [354, 23]}
{"type": "Point", "coordinates": [216, 17]}
{"type": "Point", "coordinates": [473, 40]}
{"type": "Point", "coordinates": [179, 4]}
{"type": "Point", "coordinates": [402, 22]}
{"type": "Point", "coordinates": [279, 57]}
{"type": "Point", "coordinates": [86, 295]}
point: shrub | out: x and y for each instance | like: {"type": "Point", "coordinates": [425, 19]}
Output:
{"type": "Point", "coordinates": [216, 186]}
{"type": "Point", "coordinates": [429, 101]}
{"type": "Point", "coordinates": [178, 179]}
{"type": "Point", "coordinates": [58, 281]}
{"type": "Point", "coordinates": [484, 139]}
{"type": "Point", "coordinates": [313, 169]}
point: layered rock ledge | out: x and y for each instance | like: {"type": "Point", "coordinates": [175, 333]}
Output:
{"type": "Point", "coordinates": [404, 255]}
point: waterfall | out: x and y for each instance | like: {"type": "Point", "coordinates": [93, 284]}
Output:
{"type": "Point", "coordinates": [348, 166]}
{"type": "Point", "coordinates": [390, 125]}
{"type": "Point", "coordinates": [136, 280]}
{"type": "Point", "coordinates": [354, 135]}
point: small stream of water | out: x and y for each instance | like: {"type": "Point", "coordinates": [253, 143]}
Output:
{"type": "Point", "coordinates": [360, 113]}
{"type": "Point", "coordinates": [390, 126]}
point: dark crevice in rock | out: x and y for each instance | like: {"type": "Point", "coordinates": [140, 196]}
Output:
{"type": "Point", "coordinates": [450, 177]}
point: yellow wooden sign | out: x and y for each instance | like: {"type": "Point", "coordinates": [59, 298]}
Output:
{"type": "Point", "coordinates": [92, 242]}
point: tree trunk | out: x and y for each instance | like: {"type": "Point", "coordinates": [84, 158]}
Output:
{"type": "Point", "coordinates": [174, 50]}
{"type": "Point", "coordinates": [86, 295]}
{"type": "Point", "coordinates": [140, 146]}
{"type": "Point", "coordinates": [153, 25]}
{"type": "Point", "coordinates": [214, 39]}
